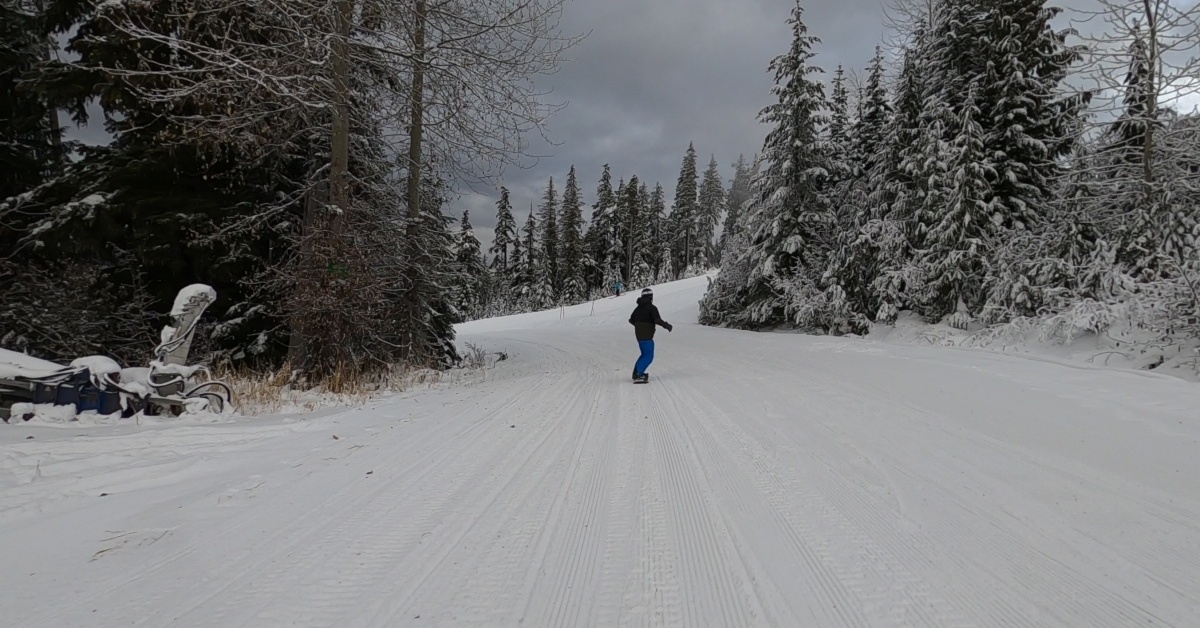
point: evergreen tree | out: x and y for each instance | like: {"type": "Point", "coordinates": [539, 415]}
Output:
{"type": "Point", "coordinates": [549, 223]}
{"type": "Point", "coordinates": [883, 253]}
{"type": "Point", "coordinates": [870, 130]}
{"type": "Point", "coordinates": [710, 203]}
{"type": "Point", "coordinates": [636, 271]}
{"type": "Point", "coordinates": [516, 264]}
{"type": "Point", "coordinates": [1028, 126]}
{"type": "Point", "coordinates": [600, 232]}
{"type": "Point", "coordinates": [960, 230]}
{"type": "Point", "coordinates": [617, 243]}
{"type": "Point", "coordinates": [660, 235]}
{"type": "Point", "coordinates": [684, 213]}
{"type": "Point", "coordinates": [571, 265]}
{"type": "Point", "coordinates": [788, 222]}
{"type": "Point", "coordinates": [735, 199]}
{"type": "Point", "coordinates": [430, 269]}
{"type": "Point", "coordinates": [645, 237]}
{"type": "Point", "coordinates": [470, 271]}
{"type": "Point", "coordinates": [533, 252]}
{"type": "Point", "coordinates": [505, 234]}
{"type": "Point", "coordinates": [839, 131]}
{"type": "Point", "coordinates": [31, 149]}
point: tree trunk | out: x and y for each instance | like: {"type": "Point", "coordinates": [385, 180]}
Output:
{"type": "Point", "coordinates": [1151, 95]}
{"type": "Point", "coordinates": [339, 188]}
{"type": "Point", "coordinates": [324, 206]}
{"type": "Point", "coordinates": [415, 130]}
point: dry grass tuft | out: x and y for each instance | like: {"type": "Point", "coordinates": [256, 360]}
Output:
{"type": "Point", "coordinates": [285, 392]}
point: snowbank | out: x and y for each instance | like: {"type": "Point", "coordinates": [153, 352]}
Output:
{"type": "Point", "coordinates": [1121, 345]}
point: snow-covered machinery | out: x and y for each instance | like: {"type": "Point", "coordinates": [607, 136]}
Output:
{"type": "Point", "coordinates": [98, 384]}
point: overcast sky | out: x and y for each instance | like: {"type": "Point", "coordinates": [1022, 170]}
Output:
{"type": "Point", "coordinates": [653, 75]}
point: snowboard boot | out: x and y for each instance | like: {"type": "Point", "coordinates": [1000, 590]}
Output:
{"type": "Point", "coordinates": [642, 379]}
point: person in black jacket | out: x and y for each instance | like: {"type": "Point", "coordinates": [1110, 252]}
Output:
{"type": "Point", "coordinates": [644, 318]}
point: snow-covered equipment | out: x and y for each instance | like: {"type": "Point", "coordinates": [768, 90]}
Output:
{"type": "Point", "coordinates": [98, 384]}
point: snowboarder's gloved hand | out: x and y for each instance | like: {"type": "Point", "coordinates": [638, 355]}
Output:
{"type": "Point", "coordinates": [669, 327]}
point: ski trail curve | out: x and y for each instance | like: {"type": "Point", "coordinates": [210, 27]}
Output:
{"type": "Point", "coordinates": [757, 480]}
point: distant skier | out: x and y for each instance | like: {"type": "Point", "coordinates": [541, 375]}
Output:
{"type": "Point", "coordinates": [644, 318]}
{"type": "Point", "coordinates": [617, 286]}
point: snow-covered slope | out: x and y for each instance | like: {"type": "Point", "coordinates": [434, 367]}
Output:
{"type": "Point", "coordinates": [758, 480]}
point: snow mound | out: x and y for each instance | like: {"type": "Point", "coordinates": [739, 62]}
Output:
{"type": "Point", "coordinates": [13, 364]}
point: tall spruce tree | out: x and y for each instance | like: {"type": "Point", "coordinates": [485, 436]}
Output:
{"type": "Point", "coordinates": [735, 199]}
{"type": "Point", "coordinates": [870, 129]}
{"type": "Point", "coordinates": [598, 239]}
{"type": "Point", "coordinates": [505, 233]}
{"type": "Point", "coordinates": [684, 213]}
{"type": "Point", "coordinates": [710, 203]}
{"type": "Point", "coordinates": [838, 135]}
{"type": "Point", "coordinates": [620, 228]}
{"type": "Point", "coordinates": [470, 272]}
{"type": "Point", "coordinates": [549, 237]}
{"type": "Point", "coordinates": [634, 241]}
{"type": "Point", "coordinates": [788, 223]}
{"type": "Point", "coordinates": [660, 234]}
{"type": "Point", "coordinates": [526, 286]}
{"type": "Point", "coordinates": [571, 262]}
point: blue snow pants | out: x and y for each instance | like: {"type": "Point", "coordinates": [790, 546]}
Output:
{"type": "Point", "coordinates": [643, 362]}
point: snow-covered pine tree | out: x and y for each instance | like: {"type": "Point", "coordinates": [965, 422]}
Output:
{"type": "Point", "coordinates": [428, 261]}
{"type": "Point", "coordinates": [960, 230]}
{"type": "Point", "coordinates": [471, 274]}
{"type": "Point", "coordinates": [637, 271]}
{"type": "Point", "coordinates": [527, 287]}
{"type": "Point", "coordinates": [870, 130]}
{"type": "Point", "coordinates": [855, 265]}
{"type": "Point", "coordinates": [505, 233]}
{"type": "Point", "coordinates": [883, 253]}
{"type": "Point", "coordinates": [838, 136]}
{"type": "Point", "coordinates": [709, 206]}
{"type": "Point", "coordinates": [660, 235]}
{"type": "Point", "coordinates": [516, 266]}
{"type": "Point", "coordinates": [549, 239]}
{"type": "Point", "coordinates": [723, 303]}
{"type": "Point", "coordinates": [571, 260]}
{"type": "Point", "coordinates": [683, 213]}
{"type": "Point", "coordinates": [620, 228]}
{"type": "Point", "coordinates": [788, 222]}
{"type": "Point", "coordinates": [597, 240]}
{"type": "Point", "coordinates": [1030, 125]}
{"type": "Point", "coordinates": [735, 200]}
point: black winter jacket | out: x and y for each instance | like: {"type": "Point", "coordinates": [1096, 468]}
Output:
{"type": "Point", "coordinates": [644, 318]}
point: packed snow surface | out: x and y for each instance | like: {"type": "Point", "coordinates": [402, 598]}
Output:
{"type": "Point", "coordinates": [757, 480]}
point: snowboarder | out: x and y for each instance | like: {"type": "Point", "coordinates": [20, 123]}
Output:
{"type": "Point", "coordinates": [617, 286]}
{"type": "Point", "coordinates": [644, 318]}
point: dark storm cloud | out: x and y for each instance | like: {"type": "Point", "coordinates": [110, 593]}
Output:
{"type": "Point", "coordinates": [654, 75]}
